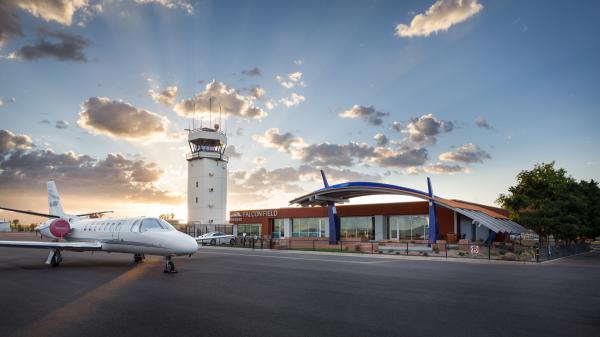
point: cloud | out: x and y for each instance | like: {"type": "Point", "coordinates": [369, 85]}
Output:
{"type": "Point", "coordinates": [3, 101]}
{"type": "Point", "coordinates": [468, 153]}
{"type": "Point", "coordinates": [166, 97]}
{"type": "Point", "coordinates": [60, 11]}
{"type": "Point", "coordinates": [285, 142]}
{"type": "Point", "coordinates": [440, 168]}
{"type": "Point", "coordinates": [257, 92]}
{"type": "Point", "coordinates": [290, 80]}
{"type": "Point", "coordinates": [231, 102]}
{"type": "Point", "coordinates": [45, 121]}
{"type": "Point", "coordinates": [170, 4]}
{"type": "Point", "coordinates": [118, 119]}
{"type": "Point", "coordinates": [442, 15]}
{"type": "Point", "coordinates": [298, 62]}
{"type": "Point", "coordinates": [59, 45]}
{"type": "Point", "coordinates": [404, 157]}
{"type": "Point", "coordinates": [328, 154]}
{"type": "Point", "coordinates": [335, 175]}
{"type": "Point", "coordinates": [341, 155]}
{"type": "Point", "coordinates": [426, 128]}
{"type": "Point", "coordinates": [24, 169]}
{"type": "Point", "coordinates": [259, 185]}
{"type": "Point", "coordinates": [9, 142]}
{"type": "Point", "coordinates": [293, 100]}
{"type": "Point", "coordinates": [381, 139]}
{"type": "Point", "coordinates": [368, 114]}
{"type": "Point", "coordinates": [61, 124]}
{"type": "Point", "coordinates": [270, 104]}
{"type": "Point", "coordinates": [239, 131]}
{"type": "Point", "coordinates": [232, 152]}
{"type": "Point", "coordinates": [10, 25]}
{"type": "Point", "coordinates": [252, 72]}
{"type": "Point", "coordinates": [482, 123]}
{"type": "Point", "coordinates": [396, 126]}
{"type": "Point", "coordinates": [260, 161]}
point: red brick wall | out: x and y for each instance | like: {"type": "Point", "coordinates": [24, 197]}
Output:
{"type": "Point", "coordinates": [445, 216]}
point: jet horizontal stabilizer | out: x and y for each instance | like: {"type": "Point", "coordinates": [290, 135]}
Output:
{"type": "Point", "coordinates": [94, 213]}
{"type": "Point", "coordinates": [30, 212]}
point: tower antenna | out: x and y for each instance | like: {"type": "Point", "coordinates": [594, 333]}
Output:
{"type": "Point", "coordinates": [194, 117]}
{"type": "Point", "coordinates": [210, 112]}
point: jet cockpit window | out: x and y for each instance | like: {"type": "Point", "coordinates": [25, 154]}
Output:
{"type": "Point", "coordinates": [148, 224]}
{"type": "Point", "coordinates": [134, 226]}
{"type": "Point", "coordinates": [166, 225]}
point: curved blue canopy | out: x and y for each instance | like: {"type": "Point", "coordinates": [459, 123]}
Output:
{"type": "Point", "coordinates": [340, 193]}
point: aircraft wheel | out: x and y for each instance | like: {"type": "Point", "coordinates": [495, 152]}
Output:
{"type": "Point", "coordinates": [56, 258]}
{"type": "Point", "coordinates": [137, 258]}
{"type": "Point", "coordinates": [213, 242]}
{"type": "Point", "coordinates": [169, 267]}
{"type": "Point", "coordinates": [232, 242]}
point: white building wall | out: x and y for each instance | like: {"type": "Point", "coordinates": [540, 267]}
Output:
{"type": "Point", "coordinates": [207, 191]}
{"type": "Point", "coordinates": [379, 227]}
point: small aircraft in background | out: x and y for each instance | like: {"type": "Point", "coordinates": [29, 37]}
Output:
{"type": "Point", "coordinates": [139, 236]}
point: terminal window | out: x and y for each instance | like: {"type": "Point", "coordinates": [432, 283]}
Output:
{"type": "Point", "coordinates": [357, 227]}
{"type": "Point", "coordinates": [310, 227]}
{"type": "Point", "coordinates": [277, 229]}
{"type": "Point", "coordinates": [409, 227]}
{"type": "Point", "coordinates": [249, 229]}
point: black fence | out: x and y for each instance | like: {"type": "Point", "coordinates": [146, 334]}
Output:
{"type": "Point", "coordinates": [495, 251]}
{"type": "Point", "coordinates": [551, 252]}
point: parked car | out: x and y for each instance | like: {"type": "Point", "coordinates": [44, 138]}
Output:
{"type": "Point", "coordinates": [216, 238]}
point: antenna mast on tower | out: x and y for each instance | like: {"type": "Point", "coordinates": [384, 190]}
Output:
{"type": "Point", "coordinates": [210, 112]}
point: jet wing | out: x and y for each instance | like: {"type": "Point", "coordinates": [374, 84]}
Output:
{"type": "Point", "coordinates": [76, 246]}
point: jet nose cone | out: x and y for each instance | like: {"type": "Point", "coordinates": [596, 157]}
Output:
{"type": "Point", "coordinates": [188, 244]}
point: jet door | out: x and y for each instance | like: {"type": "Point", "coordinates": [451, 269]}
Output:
{"type": "Point", "coordinates": [116, 229]}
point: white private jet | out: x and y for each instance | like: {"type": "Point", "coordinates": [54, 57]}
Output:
{"type": "Point", "coordinates": [138, 236]}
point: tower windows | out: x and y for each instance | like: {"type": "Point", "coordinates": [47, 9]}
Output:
{"type": "Point", "coordinates": [211, 189]}
{"type": "Point", "coordinates": [196, 199]}
{"type": "Point", "coordinates": [196, 184]}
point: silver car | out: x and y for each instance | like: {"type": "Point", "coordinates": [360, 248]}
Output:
{"type": "Point", "coordinates": [215, 238]}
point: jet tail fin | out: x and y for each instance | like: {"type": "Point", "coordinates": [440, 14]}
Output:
{"type": "Point", "coordinates": [54, 204]}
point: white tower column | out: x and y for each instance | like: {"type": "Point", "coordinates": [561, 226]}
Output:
{"type": "Point", "coordinates": [207, 177]}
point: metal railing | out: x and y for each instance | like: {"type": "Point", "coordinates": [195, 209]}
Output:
{"type": "Point", "coordinates": [495, 251]}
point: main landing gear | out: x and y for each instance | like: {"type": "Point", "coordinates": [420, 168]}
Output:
{"type": "Point", "coordinates": [169, 265]}
{"type": "Point", "coordinates": [54, 258]}
{"type": "Point", "coordinates": [137, 258]}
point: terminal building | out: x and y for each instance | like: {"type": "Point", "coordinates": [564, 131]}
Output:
{"type": "Point", "coordinates": [404, 221]}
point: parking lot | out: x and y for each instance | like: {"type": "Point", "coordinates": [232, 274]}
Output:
{"type": "Point", "coordinates": [240, 292]}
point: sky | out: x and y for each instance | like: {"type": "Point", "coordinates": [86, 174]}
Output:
{"type": "Point", "coordinates": [97, 95]}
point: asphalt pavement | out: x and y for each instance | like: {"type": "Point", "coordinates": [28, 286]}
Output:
{"type": "Point", "coordinates": [239, 292]}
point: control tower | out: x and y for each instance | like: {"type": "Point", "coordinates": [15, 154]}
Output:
{"type": "Point", "coordinates": [207, 176]}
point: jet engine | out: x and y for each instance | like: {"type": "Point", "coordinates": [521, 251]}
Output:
{"type": "Point", "coordinates": [58, 228]}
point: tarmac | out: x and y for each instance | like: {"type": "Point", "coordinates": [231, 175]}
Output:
{"type": "Point", "coordinates": [240, 292]}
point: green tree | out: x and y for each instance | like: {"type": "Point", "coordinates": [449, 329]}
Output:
{"type": "Point", "coordinates": [170, 216]}
{"type": "Point", "coordinates": [550, 202]}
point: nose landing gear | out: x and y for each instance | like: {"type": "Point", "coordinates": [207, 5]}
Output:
{"type": "Point", "coordinates": [138, 258]}
{"type": "Point", "coordinates": [169, 265]}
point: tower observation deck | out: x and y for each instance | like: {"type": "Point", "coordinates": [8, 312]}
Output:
{"type": "Point", "coordinates": [207, 176]}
